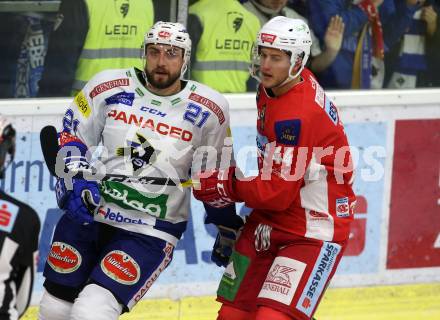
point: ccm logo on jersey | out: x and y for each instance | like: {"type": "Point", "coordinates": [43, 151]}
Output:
{"type": "Point", "coordinates": [121, 267]}
{"type": "Point", "coordinates": [211, 105]}
{"type": "Point", "coordinates": [159, 127]}
{"type": "Point", "coordinates": [63, 258]}
{"type": "Point", "coordinates": [8, 214]}
{"type": "Point", "coordinates": [105, 86]}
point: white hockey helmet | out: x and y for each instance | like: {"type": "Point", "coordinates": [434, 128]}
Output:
{"type": "Point", "coordinates": [290, 35]}
{"type": "Point", "coordinates": [171, 33]}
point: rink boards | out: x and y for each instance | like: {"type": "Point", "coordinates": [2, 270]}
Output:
{"type": "Point", "coordinates": [395, 238]}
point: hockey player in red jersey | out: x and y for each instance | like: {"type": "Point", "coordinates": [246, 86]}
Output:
{"type": "Point", "coordinates": [302, 199]}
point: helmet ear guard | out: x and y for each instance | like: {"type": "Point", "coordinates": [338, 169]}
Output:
{"type": "Point", "coordinates": [289, 35]}
{"type": "Point", "coordinates": [169, 33]}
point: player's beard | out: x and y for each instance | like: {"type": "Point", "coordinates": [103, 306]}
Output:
{"type": "Point", "coordinates": [163, 84]}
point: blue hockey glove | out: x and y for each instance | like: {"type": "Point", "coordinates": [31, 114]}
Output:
{"type": "Point", "coordinates": [81, 202]}
{"type": "Point", "coordinates": [224, 245]}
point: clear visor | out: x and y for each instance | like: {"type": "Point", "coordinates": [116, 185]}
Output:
{"type": "Point", "coordinates": [171, 51]}
{"type": "Point", "coordinates": [255, 67]}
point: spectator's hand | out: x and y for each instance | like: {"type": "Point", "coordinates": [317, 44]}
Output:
{"type": "Point", "coordinates": [334, 34]}
{"type": "Point", "coordinates": [430, 17]}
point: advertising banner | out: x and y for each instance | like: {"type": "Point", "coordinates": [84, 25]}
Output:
{"type": "Point", "coordinates": [396, 231]}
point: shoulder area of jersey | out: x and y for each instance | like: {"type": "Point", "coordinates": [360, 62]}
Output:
{"type": "Point", "coordinates": [320, 103]}
{"type": "Point", "coordinates": [205, 91]}
{"type": "Point", "coordinates": [122, 77]}
{"type": "Point", "coordinates": [312, 88]}
{"type": "Point", "coordinates": [112, 74]}
{"type": "Point", "coordinates": [104, 81]}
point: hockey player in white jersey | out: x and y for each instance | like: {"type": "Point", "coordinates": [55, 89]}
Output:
{"type": "Point", "coordinates": [150, 123]}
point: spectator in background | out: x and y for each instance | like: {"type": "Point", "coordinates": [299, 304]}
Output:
{"type": "Point", "coordinates": [93, 35]}
{"type": "Point", "coordinates": [360, 63]}
{"type": "Point", "coordinates": [407, 63]}
{"type": "Point", "coordinates": [19, 230]}
{"type": "Point", "coordinates": [22, 49]}
{"type": "Point", "coordinates": [432, 51]}
{"type": "Point", "coordinates": [320, 60]}
{"type": "Point", "coordinates": [299, 6]}
{"type": "Point", "coordinates": [10, 50]}
{"type": "Point", "coordinates": [222, 41]}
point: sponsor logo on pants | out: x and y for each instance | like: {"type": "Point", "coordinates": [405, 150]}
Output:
{"type": "Point", "coordinates": [318, 278]}
{"type": "Point", "coordinates": [63, 258]}
{"type": "Point", "coordinates": [282, 280]}
{"type": "Point", "coordinates": [121, 267]}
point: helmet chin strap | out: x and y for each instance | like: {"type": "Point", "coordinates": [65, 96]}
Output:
{"type": "Point", "coordinates": [290, 77]}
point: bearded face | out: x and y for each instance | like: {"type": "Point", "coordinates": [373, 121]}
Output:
{"type": "Point", "coordinates": [163, 65]}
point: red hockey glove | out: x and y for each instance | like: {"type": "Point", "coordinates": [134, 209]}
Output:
{"type": "Point", "coordinates": [214, 187]}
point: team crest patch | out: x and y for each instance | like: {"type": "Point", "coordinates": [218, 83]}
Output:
{"type": "Point", "coordinates": [342, 207]}
{"type": "Point", "coordinates": [8, 214]}
{"type": "Point", "coordinates": [105, 86]}
{"type": "Point", "coordinates": [282, 280]}
{"type": "Point", "coordinates": [63, 258]}
{"type": "Point", "coordinates": [121, 267]}
{"type": "Point", "coordinates": [121, 98]}
{"type": "Point", "coordinates": [287, 131]}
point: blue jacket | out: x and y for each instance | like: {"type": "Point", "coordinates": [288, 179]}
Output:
{"type": "Point", "coordinates": [395, 15]}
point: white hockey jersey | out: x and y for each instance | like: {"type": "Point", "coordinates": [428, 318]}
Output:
{"type": "Point", "coordinates": [143, 134]}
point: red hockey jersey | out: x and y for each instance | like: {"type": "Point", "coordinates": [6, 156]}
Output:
{"type": "Point", "coordinates": [305, 176]}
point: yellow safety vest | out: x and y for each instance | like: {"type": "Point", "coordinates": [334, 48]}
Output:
{"type": "Point", "coordinates": [115, 36]}
{"type": "Point", "coordinates": [224, 50]}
